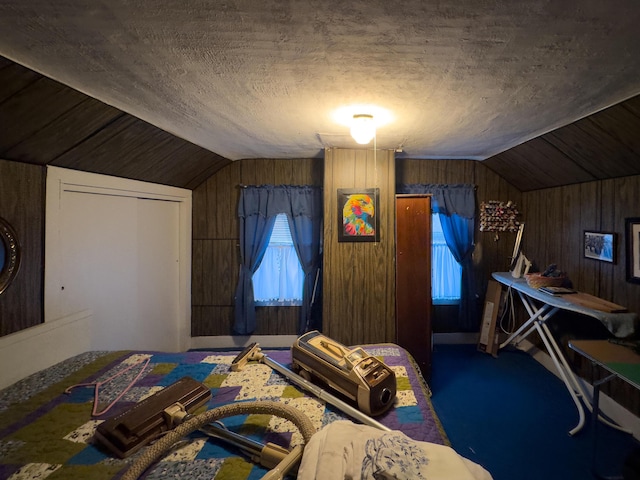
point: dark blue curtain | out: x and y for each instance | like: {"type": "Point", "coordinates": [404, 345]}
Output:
{"type": "Point", "coordinates": [456, 205]}
{"type": "Point", "coordinates": [257, 211]}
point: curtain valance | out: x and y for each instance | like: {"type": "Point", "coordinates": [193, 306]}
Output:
{"type": "Point", "coordinates": [270, 200]}
{"type": "Point", "coordinates": [455, 199]}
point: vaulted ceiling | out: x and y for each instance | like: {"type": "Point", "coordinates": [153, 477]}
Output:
{"type": "Point", "coordinates": [46, 123]}
{"type": "Point", "coordinates": [542, 92]}
{"type": "Point", "coordinates": [601, 146]}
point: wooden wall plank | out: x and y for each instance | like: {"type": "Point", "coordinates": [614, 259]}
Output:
{"type": "Point", "coordinates": [14, 79]}
{"type": "Point", "coordinates": [489, 245]}
{"type": "Point", "coordinates": [378, 281]}
{"type": "Point", "coordinates": [606, 284]}
{"type": "Point", "coordinates": [359, 276]}
{"type": "Point", "coordinates": [633, 105]}
{"type": "Point", "coordinates": [569, 229]}
{"type": "Point", "coordinates": [388, 225]}
{"type": "Point", "coordinates": [625, 205]}
{"type": "Point", "coordinates": [199, 219]}
{"type": "Point", "coordinates": [223, 273]}
{"type": "Point", "coordinates": [224, 199]}
{"type": "Point", "coordinates": [22, 205]}
{"type": "Point", "coordinates": [100, 150]}
{"type": "Point", "coordinates": [205, 164]}
{"type": "Point", "coordinates": [211, 321]}
{"type": "Point", "coordinates": [621, 126]}
{"type": "Point", "coordinates": [68, 130]}
{"type": "Point", "coordinates": [516, 168]}
{"type": "Point", "coordinates": [215, 272]}
{"type": "Point", "coordinates": [590, 211]}
{"type": "Point", "coordinates": [594, 149]}
{"type": "Point", "coordinates": [130, 148]}
{"type": "Point", "coordinates": [198, 285]}
{"type": "Point", "coordinates": [283, 169]}
{"type": "Point", "coordinates": [32, 108]}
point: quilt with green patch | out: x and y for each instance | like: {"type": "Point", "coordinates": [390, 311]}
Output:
{"type": "Point", "coordinates": [48, 434]}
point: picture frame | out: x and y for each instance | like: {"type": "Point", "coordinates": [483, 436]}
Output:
{"type": "Point", "coordinates": [632, 244]}
{"type": "Point", "coordinates": [10, 254]}
{"type": "Point", "coordinates": [358, 215]}
{"type": "Point", "coordinates": [599, 246]}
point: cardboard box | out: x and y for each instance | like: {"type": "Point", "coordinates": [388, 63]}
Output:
{"type": "Point", "coordinates": [488, 340]}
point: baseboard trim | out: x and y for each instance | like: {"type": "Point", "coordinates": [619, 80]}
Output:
{"type": "Point", "coordinates": [455, 338]}
{"type": "Point", "coordinates": [240, 341]}
{"type": "Point", "coordinates": [282, 341]}
{"type": "Point", "coordinates": [608, 406]}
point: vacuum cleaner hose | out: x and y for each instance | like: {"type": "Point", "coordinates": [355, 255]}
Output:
{"type": "Point", "coordinates": [155, 451]}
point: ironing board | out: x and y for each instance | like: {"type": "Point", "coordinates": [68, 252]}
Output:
{"type": "Point", "coordinates": [542, 306]}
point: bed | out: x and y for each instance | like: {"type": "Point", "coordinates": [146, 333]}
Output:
{"type": "Point", "coordinates": [47, 433]}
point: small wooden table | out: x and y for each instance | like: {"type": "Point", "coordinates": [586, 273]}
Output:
{"type": "Point", "coordinates": [620, 361]}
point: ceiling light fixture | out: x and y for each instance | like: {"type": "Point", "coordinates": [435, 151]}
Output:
{"type": "Point", "coordinates": [363, 128]}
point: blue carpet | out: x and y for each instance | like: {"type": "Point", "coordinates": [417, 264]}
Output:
{"type": "Point", "coordinates": [512, 416]}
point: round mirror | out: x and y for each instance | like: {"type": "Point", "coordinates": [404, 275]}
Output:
{"type": "Point", "coordinates": [9, 255]}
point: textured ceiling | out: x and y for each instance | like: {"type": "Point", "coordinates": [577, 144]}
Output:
{"type": "Point", "coordinates": [260, 79]}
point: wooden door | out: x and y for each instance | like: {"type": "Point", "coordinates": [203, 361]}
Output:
{"type": "Point", "coordinates": [413, 278]}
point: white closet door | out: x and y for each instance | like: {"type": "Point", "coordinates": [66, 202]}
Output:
{"type": "Point", "coordinates": [158, 274]}
{"type": "Point", "coordinates": [120, 261]}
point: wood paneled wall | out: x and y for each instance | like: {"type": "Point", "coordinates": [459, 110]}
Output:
{"type": "Point", "coordinates": [359, 277]}
{"type": "Point", "coordinates": [22, 205]}
{"type": "Point", "coordinates": [556, 219]}
{"type": "Point", "coordinates": [353, 312]}
{"type": "Point", "coordinates": [216, 256]}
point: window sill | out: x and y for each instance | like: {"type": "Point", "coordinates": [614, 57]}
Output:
{"type": "Point", "coordinates": [443, 301]}
{"type": "Point", "coordinates": [292, 303]}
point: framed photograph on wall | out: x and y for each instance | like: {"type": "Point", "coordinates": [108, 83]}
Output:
{"type": "Point", "coordinates": [358, 215]}
{"type": "Point", "coordinates": [599, 246]}
{"type": "Point", "coordinates": [9, 254]}
{"type": "Point", "coordinates": [632, 242]}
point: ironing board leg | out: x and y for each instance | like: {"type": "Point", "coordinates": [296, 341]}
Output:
{"type": "Point", "coordinates": [566, 381]}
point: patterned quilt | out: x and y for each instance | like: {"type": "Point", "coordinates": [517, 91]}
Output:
{"type": "Point", "coordinates": [48, 434]}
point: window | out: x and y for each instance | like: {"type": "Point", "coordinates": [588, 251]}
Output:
{"type": "Point", "coordinates": [279, 278]}
{"type": "Point", "coordinates": [446, 273]}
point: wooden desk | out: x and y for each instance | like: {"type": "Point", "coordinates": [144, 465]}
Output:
{"type": "Point", "coordinates": [620, 361]}
{"type": "Point", "coordinates": [541, 307]}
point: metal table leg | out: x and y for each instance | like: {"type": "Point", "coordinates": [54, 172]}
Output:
{"type": "Point", "coordinates": [576, 385]}
{"type": "Point", "coordinates": [594, 426]}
